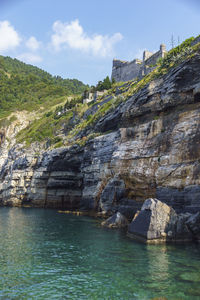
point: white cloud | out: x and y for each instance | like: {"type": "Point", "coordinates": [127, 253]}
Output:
{"type": "Point", "coordinates": [73, 36]}
{"type": "Point", "coordinates": [9, 38]}
{"type": "Point", "coordinates": [30, 58]}
{"type": "Point", "coordinates": [33, 44]}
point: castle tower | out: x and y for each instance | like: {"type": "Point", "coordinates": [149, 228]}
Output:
{"type": "Point", "coordinates": [163, 50]}
{"type": "Point", "coordinates": [147, 54]}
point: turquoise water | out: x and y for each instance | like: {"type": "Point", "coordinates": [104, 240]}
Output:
{"type": "Point", "coordinates": [47, 255]}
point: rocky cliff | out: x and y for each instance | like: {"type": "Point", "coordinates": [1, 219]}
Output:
{"type": "Point", "coordinates": [149, 147]}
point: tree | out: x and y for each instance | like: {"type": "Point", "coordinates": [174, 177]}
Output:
{"type": "Point", "coordinates": [106, 84]}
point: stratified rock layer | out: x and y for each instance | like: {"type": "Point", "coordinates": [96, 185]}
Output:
{"type": "Point", "coordinates": [157, 222]}
{"type": "Point", "coordinates": [152, 151]}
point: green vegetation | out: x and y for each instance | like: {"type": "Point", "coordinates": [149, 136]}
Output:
{"type": "Point", "coordinates": [106, 84]}
{"type": "Point", "coordinates": [175, 56]}
{"type": "Point", "coordinates": [172, 59]}
{"type": "Point", "coordinates": [45, 129]}
{"type": "Point", "coordinates": [7, 121]}
{"type": "Point", "coordinates": [72, 103]}
{"type": "Point", "coordinates": [25, 87]}
{"type": "Point", "coordinates": [61, 124]}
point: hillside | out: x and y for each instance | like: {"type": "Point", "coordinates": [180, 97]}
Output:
{"type": "Point", "coordinates": [139, 140]}
{"type": "Point", "coordinates": [76, 124]}
{"type": "Point", "coordinates": [25, 87]}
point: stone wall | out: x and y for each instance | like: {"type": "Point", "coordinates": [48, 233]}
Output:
{"type": "Point", "coordinates": [150, 61]}
{"type": "Point", "coordinates": [147, 54]}
{"type": "Point", "coordinates": [124, 70]}
{"type": "Point", "coordinates": [153, 58]}
{"type": "Point", "coordinates": [90, 96]}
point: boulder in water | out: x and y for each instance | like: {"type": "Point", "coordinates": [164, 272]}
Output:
{"type": "Point", "coordinates": [158, 222]}
{"type": "Point", "coordinates": [116, 221]}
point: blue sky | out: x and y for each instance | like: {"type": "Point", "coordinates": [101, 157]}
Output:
{"type": "Point", "coordinates": [79, 38]}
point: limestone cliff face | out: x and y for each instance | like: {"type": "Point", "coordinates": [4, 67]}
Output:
{"type": "Point", "coordinates": [50, 180]}
{"type": "Point", "coordinates": [152, 151]}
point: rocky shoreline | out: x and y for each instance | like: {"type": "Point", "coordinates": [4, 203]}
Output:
{"type": "Point", "coordinates": [157, 222]}
{"type": "Point", "coordinates": [148, 147]}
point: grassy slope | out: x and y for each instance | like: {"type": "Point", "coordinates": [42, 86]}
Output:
{"type": "Point", "coordinates": [25, 87]}
{"type": "Point", "coordinates": [51, 124]}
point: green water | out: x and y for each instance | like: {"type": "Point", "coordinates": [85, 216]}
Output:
{"type": "Point", "coordinates": [47, 255]}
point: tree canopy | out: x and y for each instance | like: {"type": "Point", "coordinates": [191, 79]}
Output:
{"type": "Point", "coordinates": [106, 84]}
{"type": "Point", "coordinates": [24, 86]}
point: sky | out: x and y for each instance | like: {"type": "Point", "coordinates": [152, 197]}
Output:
{"type": "Point", "coordinates": [79, 38]}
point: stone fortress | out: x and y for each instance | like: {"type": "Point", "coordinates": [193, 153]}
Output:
{"type": "Point", "coordinates": [92, 96]}
{"type": "Point", "coordinates": [125, 70]}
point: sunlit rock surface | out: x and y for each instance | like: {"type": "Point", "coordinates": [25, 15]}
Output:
{"type": "Point", "coordinates": [157, 222]}
{"type": "Point", "coordinates": [152, 151]}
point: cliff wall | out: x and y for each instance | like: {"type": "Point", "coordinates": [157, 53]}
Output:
{"type": "Point", "coordinates": [152, 151]}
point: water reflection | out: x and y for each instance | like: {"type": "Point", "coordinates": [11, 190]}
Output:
{"type": "Point", "coordinates": [15, 250]}
{"type": "Point", "coordinates": [68, 257]}
{"type": "Point", "coordinates": [158, 262]}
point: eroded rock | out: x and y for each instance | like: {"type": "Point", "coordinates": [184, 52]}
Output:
{"type": "Point", "coordinates": [112, 193]}
{"type": "Point", "coordinates": [152, 221]}
{"type": "Point", "coordinates": [152, 151]}
{"type": "Point", "coordinates": [193, 223]}
{"type": "Point", "coordinates": [116, 221]}
{"type": "Point", "coordinates": [158, 222]}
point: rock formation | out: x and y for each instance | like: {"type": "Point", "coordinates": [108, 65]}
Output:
{"type": "Point", "coordinates": [158, 222]}
{"type": "Point", "coordinates": [148, 147]}
{"type": "Point", "coordinates": [116, 221]}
